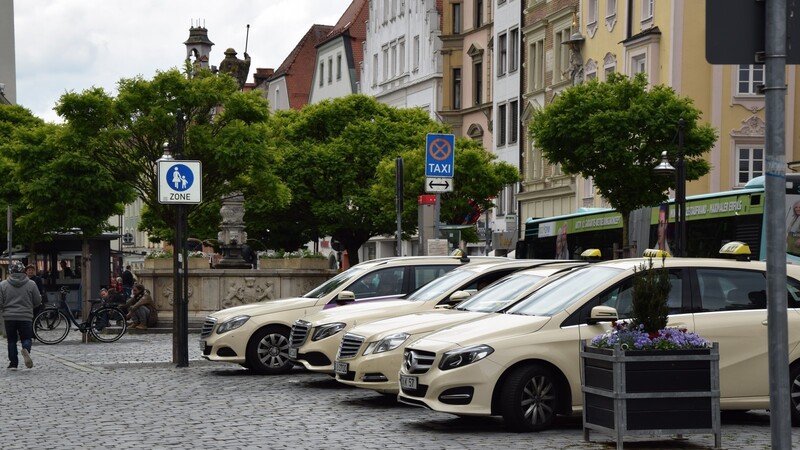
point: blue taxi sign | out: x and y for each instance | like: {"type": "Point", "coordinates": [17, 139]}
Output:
{"type": "Point", "coordinates": [439, 155]}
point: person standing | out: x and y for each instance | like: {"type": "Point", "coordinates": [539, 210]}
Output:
{"type": "Point", "coordinates": [127, 282]}
{"type": "Point", "coordinates": [19, 296]}
{"type": "Point", "coordinates": [30, 271]}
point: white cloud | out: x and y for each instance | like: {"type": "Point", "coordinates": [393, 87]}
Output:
{"type": "Point", "coordinates": [68, 45]}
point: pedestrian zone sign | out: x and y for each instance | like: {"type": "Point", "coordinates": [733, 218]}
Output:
{"type": "Point", "coordinates": [180, 182]}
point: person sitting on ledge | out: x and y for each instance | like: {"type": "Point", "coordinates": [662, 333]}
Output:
{"type": "Point", "coordinates": [141, 308]}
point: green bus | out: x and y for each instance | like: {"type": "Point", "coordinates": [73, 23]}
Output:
{"type": "Point", "coordinates": [712, 220]}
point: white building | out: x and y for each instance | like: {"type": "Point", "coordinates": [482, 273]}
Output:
{"type": "Point", "coordinates": [402, 54]}
{"type": "Point", "coordinates": [506, 117]}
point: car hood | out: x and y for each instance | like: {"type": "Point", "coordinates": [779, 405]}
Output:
{"type": "Point", "coordinates": [352, 313]}
{"type": "Point", "coordinates": [492, 328]}
{"type": "Point", "coordinates": [264, 307]}
{"type": "Point", "coordinates": [423, 322]}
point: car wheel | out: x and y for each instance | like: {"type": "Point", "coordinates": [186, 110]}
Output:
{"type": "Point", "coordinates": [268, 351]}
{"type": "Point", "coordinates": [794, 392]}
{"type": "Point", "coordinates": [528, 398]}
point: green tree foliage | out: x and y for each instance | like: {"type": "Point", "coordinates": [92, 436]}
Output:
{"type": "Point", "coordinates": [51, 183]}
{"type": "Point", "coordinates": [615, 132]}
{"type": "Point", "coordinates": [331, 151]}
{"type": "Point", "coordinates": [225, 129]}
{"type": "Point", "coordinates": [651, 288]}
{"type": "Point", "coordinates": [478, 177]}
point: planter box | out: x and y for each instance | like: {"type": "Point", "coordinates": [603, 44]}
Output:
{"type": "Point", "coordinates": [293, 263]}
{"type": "Point", "coordinates": [651, 392]}
{"type": "Point", "coordinates": [166, 263]}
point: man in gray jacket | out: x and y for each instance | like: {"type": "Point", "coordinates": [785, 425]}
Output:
{"type": "Point", "coordinates": [18, 298]}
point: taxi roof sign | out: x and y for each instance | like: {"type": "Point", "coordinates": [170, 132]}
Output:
{"type": "Point", "coordinates": [735, 248]}
{"type": "Point", "coordinates": [655, 253]}
{"type": "Point", "coordinates": [591, 253]}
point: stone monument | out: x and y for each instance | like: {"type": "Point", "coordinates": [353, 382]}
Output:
{"type": "Point", "coordinates": [232, 235]}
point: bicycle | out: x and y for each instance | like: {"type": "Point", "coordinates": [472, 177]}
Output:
{"type": "Point", "coordinates": [106, 323]}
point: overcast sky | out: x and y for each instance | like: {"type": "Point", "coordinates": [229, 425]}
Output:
{"type": "Point", "coordinates": [72, 45]}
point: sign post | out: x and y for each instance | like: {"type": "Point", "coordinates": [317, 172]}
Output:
{"type": "Point", "coordinates": [440, 150]}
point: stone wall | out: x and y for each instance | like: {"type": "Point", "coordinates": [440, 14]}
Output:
{"type": "Point", "coordinates": [211, 290]}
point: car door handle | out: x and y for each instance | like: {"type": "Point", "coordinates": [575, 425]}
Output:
{"type": "Point", "coordinates": [764, 323]}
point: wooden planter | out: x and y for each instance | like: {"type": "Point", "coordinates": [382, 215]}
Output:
{"type": "Point", "coordinates": [651, 392]}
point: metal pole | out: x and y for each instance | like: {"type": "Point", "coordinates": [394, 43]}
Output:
{"type": "Point", "coordinates": [777, 329]}
{"type": "Point", "coordinates": [681, 192]}
{"type": "Point", "coordinates": [180, 319]}
{"type": "Point", "coordinates": [436, 208]}
{"type": "Point", "coordinates": [398, 164]}
{"type": "Point", "coordinates": [10, 228]}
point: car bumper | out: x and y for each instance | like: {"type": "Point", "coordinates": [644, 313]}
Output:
{"type": "Point", "coordinates": [465, 391]}
{"type": "Point", "coordinates": [227, 347]}
{"type": "Point", "coordinates": [318, 356]}
{"type": "Point", "coordinates": [378, 372]}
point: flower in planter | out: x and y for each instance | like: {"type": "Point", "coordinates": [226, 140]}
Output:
{"type": "Point", "coordinates": [646, 329]}
{"type": "Point", "coordinates": [158, 254]}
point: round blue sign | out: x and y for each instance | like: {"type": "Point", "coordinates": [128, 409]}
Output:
{"type": "Point", "coordinates": [179, 177]}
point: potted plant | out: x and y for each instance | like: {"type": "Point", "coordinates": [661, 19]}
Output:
{"type": "Point", "coordinates": [642, 376]}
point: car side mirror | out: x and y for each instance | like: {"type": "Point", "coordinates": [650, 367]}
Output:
{"type": "Point", "coordinates": [345, 297]}
{"type": "Point", "coordinates": [458, 297]}
{"type": "Point", "coordinates": [602, 314]}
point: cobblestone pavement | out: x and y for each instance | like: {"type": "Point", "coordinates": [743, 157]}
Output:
{"type": "Point", "coordinates": [129, 394]}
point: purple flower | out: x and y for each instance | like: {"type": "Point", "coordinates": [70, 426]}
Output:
{"type": "Point", "coordinates": [665, 339]}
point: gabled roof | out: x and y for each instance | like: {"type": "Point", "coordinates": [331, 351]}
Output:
{"type": "Point", "coordinates": [313, 36]}
{"type": "Point", "coordinates": [353, 21]}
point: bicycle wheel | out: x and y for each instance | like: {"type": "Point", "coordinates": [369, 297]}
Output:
{"type": "Point", "coordinates": [51, 326]}
{"type": "Point", "coordinates": [107, 324]}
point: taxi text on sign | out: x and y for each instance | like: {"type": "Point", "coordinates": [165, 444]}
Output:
{"type": "Point", "coordinates": [439, 155]}
{"type": "Point", "coordinates": [180, 182]}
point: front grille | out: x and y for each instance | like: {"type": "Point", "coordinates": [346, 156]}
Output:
{"type": "Point", "coordinates": [208, 327]}
{"type": "Point", "coordinates": [349, 346]}
{"type": "Point", "coordinates": [299, 333]}
{"type": "Point", "coordinates": [417, 361]}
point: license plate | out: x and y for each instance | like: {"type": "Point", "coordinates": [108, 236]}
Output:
{"type": "Point", "coordinates": [340, 367]}
{"type": "Point", "coordinates": [408, 382]}
{"type": "Point", "coordinates": [292, 353]}
{"type": "Point", "coordinates": [202, 346]}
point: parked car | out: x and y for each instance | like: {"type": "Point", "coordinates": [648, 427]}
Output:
{"type": "Point", "coordinates": [315, 339]}
{"type": "Point", "coordinates": [525, 365]}
{"type": "Point", "coordinates": [257, 335]}
{"type": "Point", "coordinates": [370, 354]}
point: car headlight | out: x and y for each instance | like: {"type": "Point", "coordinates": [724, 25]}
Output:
{"type": "Point", "coordinates": [386, 344]}
{"type": "Point", "coordinates": [464, 356]}
{"type": "Point", "coordinates": [232, 324]}
{"type": "Point", "coordinates": [324, 331]}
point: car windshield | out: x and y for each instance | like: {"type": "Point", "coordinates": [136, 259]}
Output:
{"type": "Point", "coordinates": [560, 294]}
{"type": "Point", "coordinates": [500, 294]}
{"type": "Point", "coordinates": [335, 282]}
{"type": "Point", "coordinates": [440, 286]}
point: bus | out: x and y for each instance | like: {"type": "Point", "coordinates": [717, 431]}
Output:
{"type": "Point", "coordinates": [712, 220]}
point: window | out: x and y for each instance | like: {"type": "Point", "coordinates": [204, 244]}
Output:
{"type": "Point", "coordinates": [750, 163]}
{"type": "Point", "coordinates": [401, 57]}
{"type": "Point", "coordinates": [385, 11]}
{"type": "Point", "coordinates": [722, 289]}
{"type": "Point", "coordinates": [394, 9]}
{"type": "Point", "coordinates": [375, 69]}
{"type": "Point", "coordinates": [502, 54]}
{"type": "Point", "coordinates": [647, 10]}
{"type": "Point", "coordinates": [478, 13]}
{"type": "Point", "coordinates": [750, 77]}
{"type": "Point", "coordinates": [513, 49]}
{"type": "Point", "coordinates": [611, 8]}
{"type": "Point", "coordinates": [561, 72]}
{"type": "Point", "coordinates": [591, 12]}
{"type": "Point", "coordinates": [639, 64]}
{"type": "Point", "coordinates": [385, 62]}
{"type": "Point", "coordinates": [537, 61]}
{"type": "Point", "coordinates": [394, 59]}
{"type": "Point", "coordinates": [590, 70]}
{"type": "Point", "coordinates": [478, 77]}
{"type": "Point", "coordinates": [456, 18]}
{"type": "Point", "coordinates": [501, 125]}
{"type": "Point", "coordinates": [588, 188]}
{"type": "Point", "coordinates": [322, 73]}
{"type": "Point", "coordinates": [513, 122]}
{"type": "Point", "coordinates": [339, 67]}
{"type": "Point", "coordinates": [415, 55]}
{"type": "Point", "coordinates": [457, 88]}
{"type": "Point", "coordinates": [330, 69]}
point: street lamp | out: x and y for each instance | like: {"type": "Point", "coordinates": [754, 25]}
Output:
{"type": "Point", "coordinates": [665, 168]}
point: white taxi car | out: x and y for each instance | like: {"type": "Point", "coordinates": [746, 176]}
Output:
{"type": "Point", "coordinates": [370, 354]}
{"type": "Point", "coordinates": [257, 335]}
{"type": "Point", "coordinates": [315, 339]}
{"type": "Point", "coordinates": [525, 365]}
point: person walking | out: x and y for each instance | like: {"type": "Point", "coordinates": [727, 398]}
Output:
{"type": "Point", "coordinates": [127, 282]}
{"type": "Point", "coordinates": [19, 296]}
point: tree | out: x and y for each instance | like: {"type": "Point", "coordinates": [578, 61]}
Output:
{"type": "Point", "coordinates": [615, 132]}
{"type": "Point", "coordinates": [331, 152]}
{"type": "Point", "coordinates": [478, 177]}
{"type": "Point", "coordinates": [224, 129]}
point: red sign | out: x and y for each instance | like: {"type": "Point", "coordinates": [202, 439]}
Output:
{"type": "Point", "coordinates": [426, 199]}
